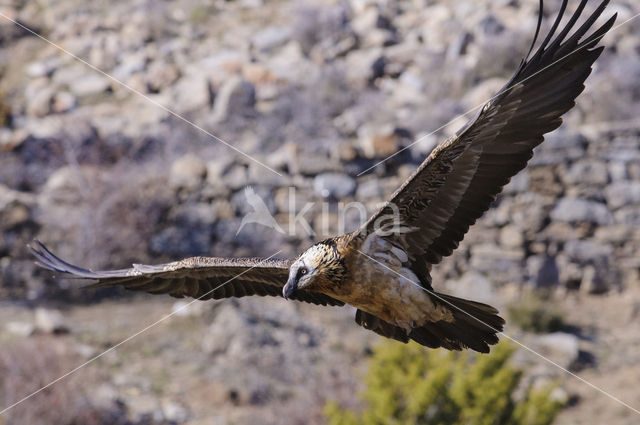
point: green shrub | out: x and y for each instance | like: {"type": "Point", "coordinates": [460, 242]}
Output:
{"type": "Point", "coordinates": [533, 313]}
{"type": "Point", "coordinates": [410, 385]}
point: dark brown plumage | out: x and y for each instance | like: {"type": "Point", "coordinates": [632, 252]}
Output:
{"type": "Point", "coordinates": [386, 275]}
{"type": "Point", "coordinates": [196, 277]}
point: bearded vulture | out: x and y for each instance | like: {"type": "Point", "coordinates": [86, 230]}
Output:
{"type": "Point", "coordinates": [385, 274]}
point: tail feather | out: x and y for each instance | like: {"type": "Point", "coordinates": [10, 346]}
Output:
{"type": "Point", "coordinates": [474, 325]}
{"type": "Point", "coordinates": [432, 337]}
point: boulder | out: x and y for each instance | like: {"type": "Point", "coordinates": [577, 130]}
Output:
{"type": "Point", "coordinates": [586, 172]}
{"type": "Point", "coordinates": [40, 104]}
{"type": "Point", "coordinates": [334, 185]}
{"type": "Point", "coordinates": [369, 190]}
{"type": "Point", "coordinates": [91, 84]}
{"type": "Point", "coordinates": [180, 241]}
{"type": "Point", "coordinates": [63, 101]}
{"type": "Point", "coordinates": [363, 66]}
{"type": "Point", "coordinates": [543, 271]}
{"type": "Point", "coordinates": [561, 347]}
{"type": "Point", "coordinates": [187, 172]}
{"type": "Point", "coordinates": [575, 210]}
{"type": "Point", "coordinates": [378, 141]}
{"type": "Point", "coordinates": [511, 237]}
{"type": "Point", "coordinates": [622, 193]}
{"type": "Point", "coordinates": [235, 96]}
{"type": "Point", "coordinates": [19, 328]}
{"type": "Point", "coordinates": [271, 37]}
{"type": "Point", "coordinates": [50, 321]}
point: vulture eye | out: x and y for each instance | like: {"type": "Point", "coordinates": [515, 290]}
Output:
{"type": "Point", "coordinates": [302, 271]}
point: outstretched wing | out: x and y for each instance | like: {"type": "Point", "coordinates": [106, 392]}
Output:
{"type": "Point", "coordinates": [456, 184]}
{"type": "Point", "coordinates": [197, 277]}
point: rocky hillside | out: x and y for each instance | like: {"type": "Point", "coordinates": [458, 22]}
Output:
{"type": "Point", "coordinates": [117, 160]}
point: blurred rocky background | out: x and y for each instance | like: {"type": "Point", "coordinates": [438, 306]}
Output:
{"type": "Point", "coordinates": [110, 163]}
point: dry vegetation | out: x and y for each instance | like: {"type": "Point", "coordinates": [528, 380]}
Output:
{"type": "Point", "coordinates": [33, 363]}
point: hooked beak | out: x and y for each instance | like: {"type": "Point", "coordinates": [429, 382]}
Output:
{"type": "Point", "coordinates": [289, 288]}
